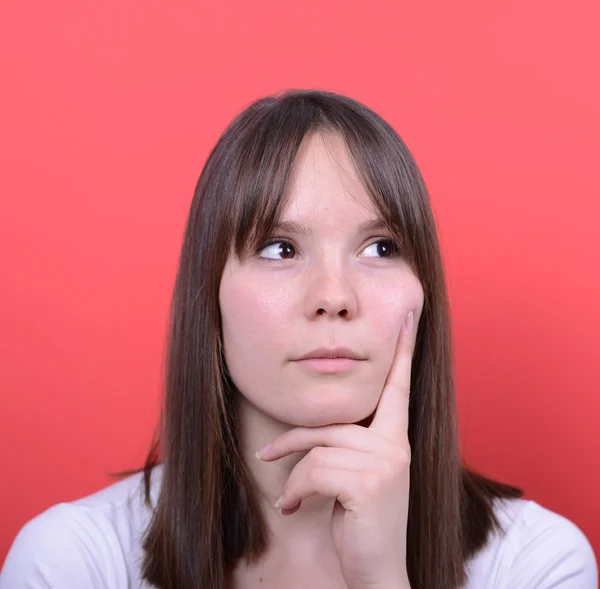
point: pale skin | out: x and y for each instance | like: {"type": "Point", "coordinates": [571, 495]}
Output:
{"type": "Point", "coordinates": [334, 493]}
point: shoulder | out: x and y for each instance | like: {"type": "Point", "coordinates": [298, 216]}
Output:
{"type": "Point", "coordinates": [538, 549]}
{"type": "Point", "coordinates": [91, 542]}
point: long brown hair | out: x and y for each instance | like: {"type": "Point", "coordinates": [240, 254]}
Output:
{"type": "Point", "coordinates": [207, 517]}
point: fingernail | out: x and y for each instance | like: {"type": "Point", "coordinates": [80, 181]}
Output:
{"type": "Point", "coordinates": [259, 453]}
{"type": "Point", "coordinates": [408, 324]}
{"type": "Point", "coordinates": [278, 504]}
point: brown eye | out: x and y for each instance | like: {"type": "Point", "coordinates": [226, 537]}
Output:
{"type": "Point", "coordinates": [277, 250]}
{"type": "Point", "coordinates": [384, 248]}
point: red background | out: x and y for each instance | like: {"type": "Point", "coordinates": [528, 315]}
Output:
{"type": "Point", "coordinates": [108, 111]}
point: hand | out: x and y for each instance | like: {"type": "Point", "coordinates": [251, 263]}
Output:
{"type": "Point", "coordinates": [367, 471]}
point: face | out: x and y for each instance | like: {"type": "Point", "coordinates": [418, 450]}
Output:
{"type": "Point", "coordinates": [334, 284]}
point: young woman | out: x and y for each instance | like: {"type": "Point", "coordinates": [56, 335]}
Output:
{"type": "Point", "coordinates": [309, 434]}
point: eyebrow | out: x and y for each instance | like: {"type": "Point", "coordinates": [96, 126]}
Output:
{"type": "Point", "coordinates": [300, 229]}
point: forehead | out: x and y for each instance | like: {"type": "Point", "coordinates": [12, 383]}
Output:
{"type": "Point", "coordinates": [324, 183]}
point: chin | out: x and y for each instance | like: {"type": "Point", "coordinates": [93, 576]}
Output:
{"type": "Point", "coordinates": [319, 416]}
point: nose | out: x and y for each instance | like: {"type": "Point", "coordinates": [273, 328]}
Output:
{"type": "Point", "coordinates": [330, 292]}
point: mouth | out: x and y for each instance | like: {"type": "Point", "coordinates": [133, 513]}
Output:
{"type": "Point", "coordinates": [330, 360]}
{"type": "Point", "coordinates": [332, 354]}
{"type": "Point", "coordinates": [329, 365]}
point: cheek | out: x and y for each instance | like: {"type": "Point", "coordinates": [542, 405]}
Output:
{"type": "Point", "coordinates": [253, 320]}
{"type": "Point", "coordinates": [389, 307]}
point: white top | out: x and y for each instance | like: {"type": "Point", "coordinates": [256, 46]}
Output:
{"type": "Point", "coordinates": [94, 543]}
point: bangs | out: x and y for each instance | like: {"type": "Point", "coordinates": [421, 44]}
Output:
{"type": "Point", "coordinates": [266, 149]}
{"type": "Point", "coordinates": [264, 172]}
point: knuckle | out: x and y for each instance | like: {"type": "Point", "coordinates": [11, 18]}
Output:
{"type": "Point", "coordinates": [402, 456]}
{"type": "Point", "coordinates": [370, 483]}
{"type": "Point", "coordinates": [389, 469]}
{"type": "Point", "coordinates": [316, 455]}
{"type": "Point", "coordinates": [313, 474]}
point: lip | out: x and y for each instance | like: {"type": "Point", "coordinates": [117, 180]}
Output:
{"type": "Point", "coordinates": [331, 360]}
{"type": "Point", "coordinates": [329, 365]}
{"type": "Point", "coordinates": [339, 353]}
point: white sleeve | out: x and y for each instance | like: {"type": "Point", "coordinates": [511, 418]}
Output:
{"type": "Point", "coordinates": [553, 553]}
{"type": "Point", "coordinates": [58, 549]}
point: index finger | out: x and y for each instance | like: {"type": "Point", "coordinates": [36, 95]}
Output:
{"type": "Point", "coordinates": [391, 416]}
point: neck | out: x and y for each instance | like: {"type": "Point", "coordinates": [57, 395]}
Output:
{"type": "Point", "coordinates": [307, 531]}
